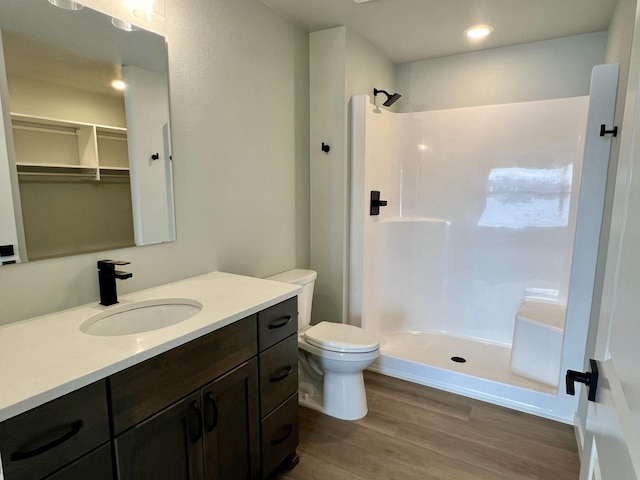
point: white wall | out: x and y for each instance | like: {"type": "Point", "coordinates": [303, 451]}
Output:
{"type": "Point", "coordinates": [621, 30]}
{"type": "Point", "coordinates": [482, 206]}
{"type": "Point", "coordinates": [239, 105]}
{"type": "Point", "coordinates": [534, 71]}
{"type": "Point", "coordinates": [342, 64]}
{"type": "Point", "coordinates": [30, 96]}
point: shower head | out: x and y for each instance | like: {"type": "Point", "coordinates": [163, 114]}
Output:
{"type": "Point", "coordinates": [391, 97]}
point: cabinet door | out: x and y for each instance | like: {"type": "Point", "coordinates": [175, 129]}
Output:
{"type": "Point", "coordinates": [231, 425]}
{"type": "Point", "coordinates": [168, 445]}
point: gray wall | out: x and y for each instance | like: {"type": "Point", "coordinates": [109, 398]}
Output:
{"type": "Point", "coordinates": [240, 123]}
{"type": "Point", "coordinates": [534, 71]}
{"type": "Point", "coordinates": [342, 64]}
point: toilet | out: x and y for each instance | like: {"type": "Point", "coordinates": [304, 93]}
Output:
{"type": "Point", "coordinates": [331, 357]}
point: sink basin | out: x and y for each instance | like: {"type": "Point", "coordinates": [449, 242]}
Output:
{"type": "Point", "coordinates": [138, 317]}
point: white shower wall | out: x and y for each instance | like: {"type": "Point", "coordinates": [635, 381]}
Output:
{"type": "Point", "coordinates": [481, 206]}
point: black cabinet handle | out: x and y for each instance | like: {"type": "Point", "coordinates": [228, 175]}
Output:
{"type": "Point", "coordinates": [74, 429]}
{"type": "Point", "coordinates": [214, 412]}
{"type": "Point", "coordinates": [286, 372]}
{"type": "Point", "coordinates": [288, 431]}
{"type": "Point", "coordinates": [280, 322]}
{"type": "Point", "coordinates": [194, 410]}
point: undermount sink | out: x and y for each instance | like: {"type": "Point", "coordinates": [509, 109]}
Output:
{"type": "Point", "coordinates": [138, 317]}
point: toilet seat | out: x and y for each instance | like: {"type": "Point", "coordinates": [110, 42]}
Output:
{"type": "Point", "coordinates": [339, 337]}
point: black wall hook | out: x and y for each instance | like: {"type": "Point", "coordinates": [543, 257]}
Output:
{"type": "Point", "coordinates": [155, 156]}
{"type": "Point", "coordinates": [604, 131]}
{"type": "Point", "coordinates": [325, 147]}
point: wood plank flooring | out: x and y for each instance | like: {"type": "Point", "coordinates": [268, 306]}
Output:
{"type": "Point", "coordinates": [416, 432]}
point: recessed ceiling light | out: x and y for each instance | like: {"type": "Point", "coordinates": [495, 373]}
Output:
{"type": "Point", "coordinates": [362, 1]}
{"type": "Point", "coordinates": [478, 32]}
{"type": "Point", "coordinates": [118, 85]}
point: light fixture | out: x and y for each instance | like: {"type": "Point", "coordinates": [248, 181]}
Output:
{"type": "Point", "coordinates": [478, 32]}
{"type": "Point", "coordinates": [118, 85]}
{"type": "Point", "coordinates": [124, 25]}
{"type": "Point", "coordinates": [149, 10]}
{"type": "Point", "coordinates": [67, 4]}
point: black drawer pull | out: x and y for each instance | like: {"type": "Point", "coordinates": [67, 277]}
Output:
{"type": "Point", "coordinates": [287, 371]}
{"type": "Point", "coordinates": [280, 322]}
{"type": "Point", "coordinates": [194, 410]}
{"type": "Point", "coordinates": [214, 412]}
{"type": "Point", "coordinates": [73, 430]}
{"type": "Point", "coordinates": [288, 431]}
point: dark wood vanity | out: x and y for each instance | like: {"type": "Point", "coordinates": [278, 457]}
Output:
{"type": "Point", "coordinates": [223, 406]}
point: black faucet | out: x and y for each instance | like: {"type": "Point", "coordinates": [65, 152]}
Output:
{"type": "Point", "coordinates": [107, 275]}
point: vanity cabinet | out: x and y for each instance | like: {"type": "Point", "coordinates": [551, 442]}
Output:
{"type": "Point", "coordinates": [40, 442]}
{"type": "Point", "coordinates": [221, 407]}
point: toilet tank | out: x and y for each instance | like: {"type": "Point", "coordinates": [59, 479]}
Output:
{"type": "Point", "coordinates": [306, 279]}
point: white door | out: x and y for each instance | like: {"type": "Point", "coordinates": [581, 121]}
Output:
{"type": "Point", "coordinates": [611, 444]}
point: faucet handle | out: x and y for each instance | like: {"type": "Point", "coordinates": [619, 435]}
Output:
{"type": "Point", "coordinates": [110, 264]}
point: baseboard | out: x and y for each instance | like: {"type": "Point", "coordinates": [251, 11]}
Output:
{"type": "Point", "coordinates": [579, 432]}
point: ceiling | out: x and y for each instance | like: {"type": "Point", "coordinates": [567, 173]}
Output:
{"type": "Point", "coordinates": [409, 30]}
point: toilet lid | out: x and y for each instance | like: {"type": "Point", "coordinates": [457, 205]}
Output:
{"type": "Point", "coordinates": [339, 337]}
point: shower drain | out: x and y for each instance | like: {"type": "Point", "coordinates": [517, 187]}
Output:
{"type": "Point", "coordinates": [459, 359]}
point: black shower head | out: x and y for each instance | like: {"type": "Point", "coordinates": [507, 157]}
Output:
{"type": "Point", "coordinates": [391, 97]}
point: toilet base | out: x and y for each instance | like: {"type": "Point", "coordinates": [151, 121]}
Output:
{"type": "Point", "coordinates": [344, 395]}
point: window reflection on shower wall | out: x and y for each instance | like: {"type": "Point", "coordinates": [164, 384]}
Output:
{"type": "Point", "coordinates": [482, 205]}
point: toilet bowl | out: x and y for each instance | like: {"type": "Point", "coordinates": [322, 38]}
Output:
{"type": "Point", "coordinates": [331, 357]}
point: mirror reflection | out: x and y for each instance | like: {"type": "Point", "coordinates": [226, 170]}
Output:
{"type": "Point", "coordinates": [85, 162]}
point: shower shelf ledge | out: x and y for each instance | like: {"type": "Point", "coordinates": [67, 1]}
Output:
{"type": "Point", "coordinates": [415, 219]}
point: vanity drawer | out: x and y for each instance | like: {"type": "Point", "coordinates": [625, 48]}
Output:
{"type": "Point", "coordinates": [144, 389]}
{"type": "Point", "coordinates": [40, 441]}
{"type": "Point", "coordinates": [279, 435]}
{"type": "Point", "coordinates": [277, 323]}
{"type": "Point", "coordinates": [278, 373]}
{"type": "Point", "coordinates": [96, 465]}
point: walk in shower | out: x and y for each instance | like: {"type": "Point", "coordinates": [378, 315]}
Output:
{"type": "Point", "coordinates": [480, 215]}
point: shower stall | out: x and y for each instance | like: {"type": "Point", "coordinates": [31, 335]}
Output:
{"type": "Point", "coordinates": [479, 223]}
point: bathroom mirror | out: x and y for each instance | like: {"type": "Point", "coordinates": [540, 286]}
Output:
{"type": "Point", "coordinates": [83, 166]}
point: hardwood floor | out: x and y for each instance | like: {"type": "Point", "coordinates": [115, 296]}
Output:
{"type": "Point", "coordinates": [416, 432]}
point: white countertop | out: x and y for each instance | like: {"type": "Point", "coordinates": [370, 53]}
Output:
{"type": "Point", "coordinates": [46, 357]}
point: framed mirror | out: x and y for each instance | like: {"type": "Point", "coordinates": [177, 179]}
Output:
{"type": "Point", "coordinates": [85, 150]}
